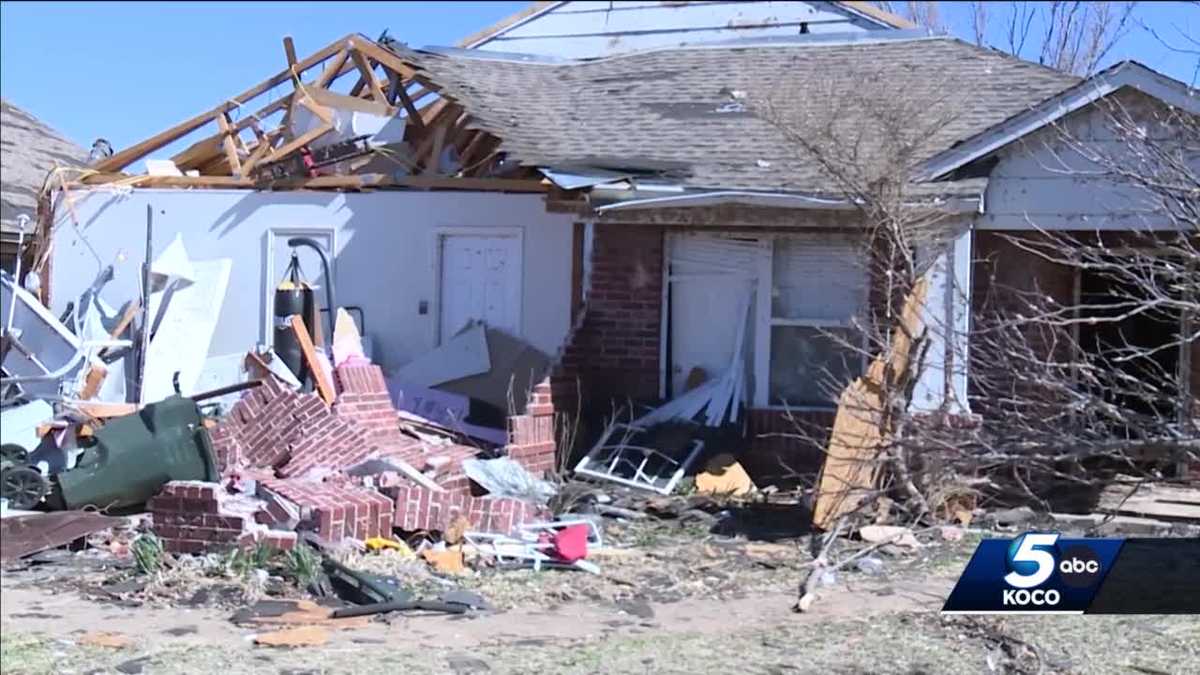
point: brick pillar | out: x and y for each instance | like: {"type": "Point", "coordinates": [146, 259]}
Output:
{"type": "Point", "coordinates": [531, 438]}
{"type": "Point", "coordinates": [614, 354]}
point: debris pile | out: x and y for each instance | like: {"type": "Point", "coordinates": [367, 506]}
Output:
{"type": "Point", "coordinates": [351, 470]}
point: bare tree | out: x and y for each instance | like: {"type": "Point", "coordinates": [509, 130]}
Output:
{"type": "Point", "coordinates": [1073, 36]}
{"type": "Point", "coordinates": [1064, 399]}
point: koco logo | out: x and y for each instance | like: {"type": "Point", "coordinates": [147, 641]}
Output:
{"type": "Point", "coordinates": [1032, 560]}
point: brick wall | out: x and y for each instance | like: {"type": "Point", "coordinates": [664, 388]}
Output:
{"type": "Point", "coordinates": [615, 352]}
{"type": "Point", "coordinates": [419, 508]}
{"type": "Point", "coordinates": [780, 445]}
{"type": "Point", "coordinates": [293, 433]}
{"type": "Point", "coordinates": [197, 517]}
{"type": "Point", "coordinates": [334, 512]}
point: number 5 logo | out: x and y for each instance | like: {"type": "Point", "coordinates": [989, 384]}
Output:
{"type": "Point", "coordinates": [1030, 564]}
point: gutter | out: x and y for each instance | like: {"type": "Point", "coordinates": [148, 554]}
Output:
{"type": "Point", "coordinates": [967, 204]}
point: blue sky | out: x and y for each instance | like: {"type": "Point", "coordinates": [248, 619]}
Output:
{"type": "Point", "coordinates": [125, 71]}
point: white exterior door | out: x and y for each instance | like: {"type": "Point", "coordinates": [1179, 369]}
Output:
{"type": "Point", "coordinates": [480, 280]}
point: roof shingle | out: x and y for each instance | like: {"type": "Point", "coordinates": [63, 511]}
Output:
{"type": "Point", "coordinates": [739, 115]}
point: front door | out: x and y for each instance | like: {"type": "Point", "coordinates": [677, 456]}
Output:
{"type": "Point", "coordinates": [480, 281]}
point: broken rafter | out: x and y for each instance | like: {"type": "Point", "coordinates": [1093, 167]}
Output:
{"type": "Point", "coordinates": [334, 70]}
{"type": "Point", "coordinates": [265, 145]}
{"type": "Point", "coordinates": [397, 93]}
{"type": "Point", "coordinates": [126, 157]}
{"type": "Point", "coordinates": [368, 76]}
{"type": "Point", "coordinates": [235, 164]}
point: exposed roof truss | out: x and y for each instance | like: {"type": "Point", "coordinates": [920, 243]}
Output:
{"type": "Point", "coordinates": [234, 143]}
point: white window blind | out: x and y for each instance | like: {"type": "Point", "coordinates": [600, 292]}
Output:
{"type": "Point", "coordinates": [818, 289]}
{"type": "Point", "coordinates": [817, 278]}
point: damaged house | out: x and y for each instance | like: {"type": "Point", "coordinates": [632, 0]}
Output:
{"type": "Point", "coordinates": [534, 235]}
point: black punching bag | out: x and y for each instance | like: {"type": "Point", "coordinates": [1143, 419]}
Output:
{"type": "Point", "coordinates": [292, 296]}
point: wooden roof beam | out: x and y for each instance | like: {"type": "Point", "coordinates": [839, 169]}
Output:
{"type": "Point", "coordinates": [126, 157]}
{"type": "Point", "coordinates": [367, 69]}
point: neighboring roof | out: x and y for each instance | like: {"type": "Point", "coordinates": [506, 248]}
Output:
{"type": "Point", "coordinates": [866, 10]}
{"type": "Point", "coordinates": [1124, 74]}
{"type": "Point", "coordinates": [676, 113]}
{"type": "Point", "coordinates": [28, 151]}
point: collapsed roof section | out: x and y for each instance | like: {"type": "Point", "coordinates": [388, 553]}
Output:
{"type": "Point", "coordinates": [382, 126]}
{"type": "Point", "coordinates": [796, 120]}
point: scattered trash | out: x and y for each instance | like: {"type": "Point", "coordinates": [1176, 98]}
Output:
{"type": "Point", "coordinates": [290, 613]}
{"type": "Point", "coordinates": [25, 535]}
{"type": "Point", "coordinates": [951, 533]}
{"type": "Point", "coordinates": [448, 561]}
{"type": "Point", "coordinates": [723, 475]}
{"type": "Point", "coordinates": [381, 543]}
{"type": "Point", "coordinates": [870, 565]}
{"type": "Point", "coordinates": [112, 640]}
{"type": "Point", "coordinates": [889, 534]}
{"type": "Point", "coordinates": [301, 636]}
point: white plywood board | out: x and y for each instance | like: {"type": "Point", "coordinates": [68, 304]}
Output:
{"type": "Point", "coordinates": [464, 355]}
{"type": "Point", "coordinates": [185, 330]}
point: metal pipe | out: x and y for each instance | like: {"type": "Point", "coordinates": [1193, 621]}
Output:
{"type": "Point", "coordinates": [227, 389]}
{"type": "Point", "coordinates": [144, 338]}
{"type": "Point", "coordinates": [12, 308]}
{"type": "Point", "coordinates": [329, 295]}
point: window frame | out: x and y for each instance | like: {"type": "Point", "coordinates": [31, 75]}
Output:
{"type": "Point", "coordinates": [765, 321]}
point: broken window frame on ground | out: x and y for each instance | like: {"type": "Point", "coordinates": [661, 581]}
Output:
{"type": "Point", "coordinates": [624, 463]}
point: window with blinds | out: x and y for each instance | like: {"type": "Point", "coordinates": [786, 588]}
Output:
{"type": "Point", "coordinates": [818, 289]}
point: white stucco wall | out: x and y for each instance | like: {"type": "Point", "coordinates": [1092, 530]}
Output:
{"type": "Point", "coordinates": [386, 254]}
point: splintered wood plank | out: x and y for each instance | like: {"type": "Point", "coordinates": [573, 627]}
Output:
{"type": "Point", "coordinates": [265, 145]}
{"type": "Point", "coordinates": [235, 164]}
{"type": "Point", "coordinates": [324, 388]}
{"type": "Point", "coordinates": [203, 151]}
{"type": "Point", "coordinates": [852, 460]}
{"type": "Point", "coordinates": [469, 152]}
{"type": "Point", "coordinates": [139, 150]}
{"type": "Point", "coordinates": [435, 150]}
{"type": "Point", "coordinates": [383, 56]}
{"type": "Point", "coordinates": [1151, 499]}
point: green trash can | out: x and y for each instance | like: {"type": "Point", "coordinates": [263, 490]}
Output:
{"type": "Point", "coordinates": [132, 456]}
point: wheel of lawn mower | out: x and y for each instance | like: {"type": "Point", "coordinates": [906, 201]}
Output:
{"type": "Point", "coordinates": [23, 487]}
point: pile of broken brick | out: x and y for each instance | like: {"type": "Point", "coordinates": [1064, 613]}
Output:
{"type": "Point", "coordinates": [291, 465]}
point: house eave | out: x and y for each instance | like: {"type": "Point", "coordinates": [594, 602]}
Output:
{"type": "Point", "coordinates": [1127, 74]}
